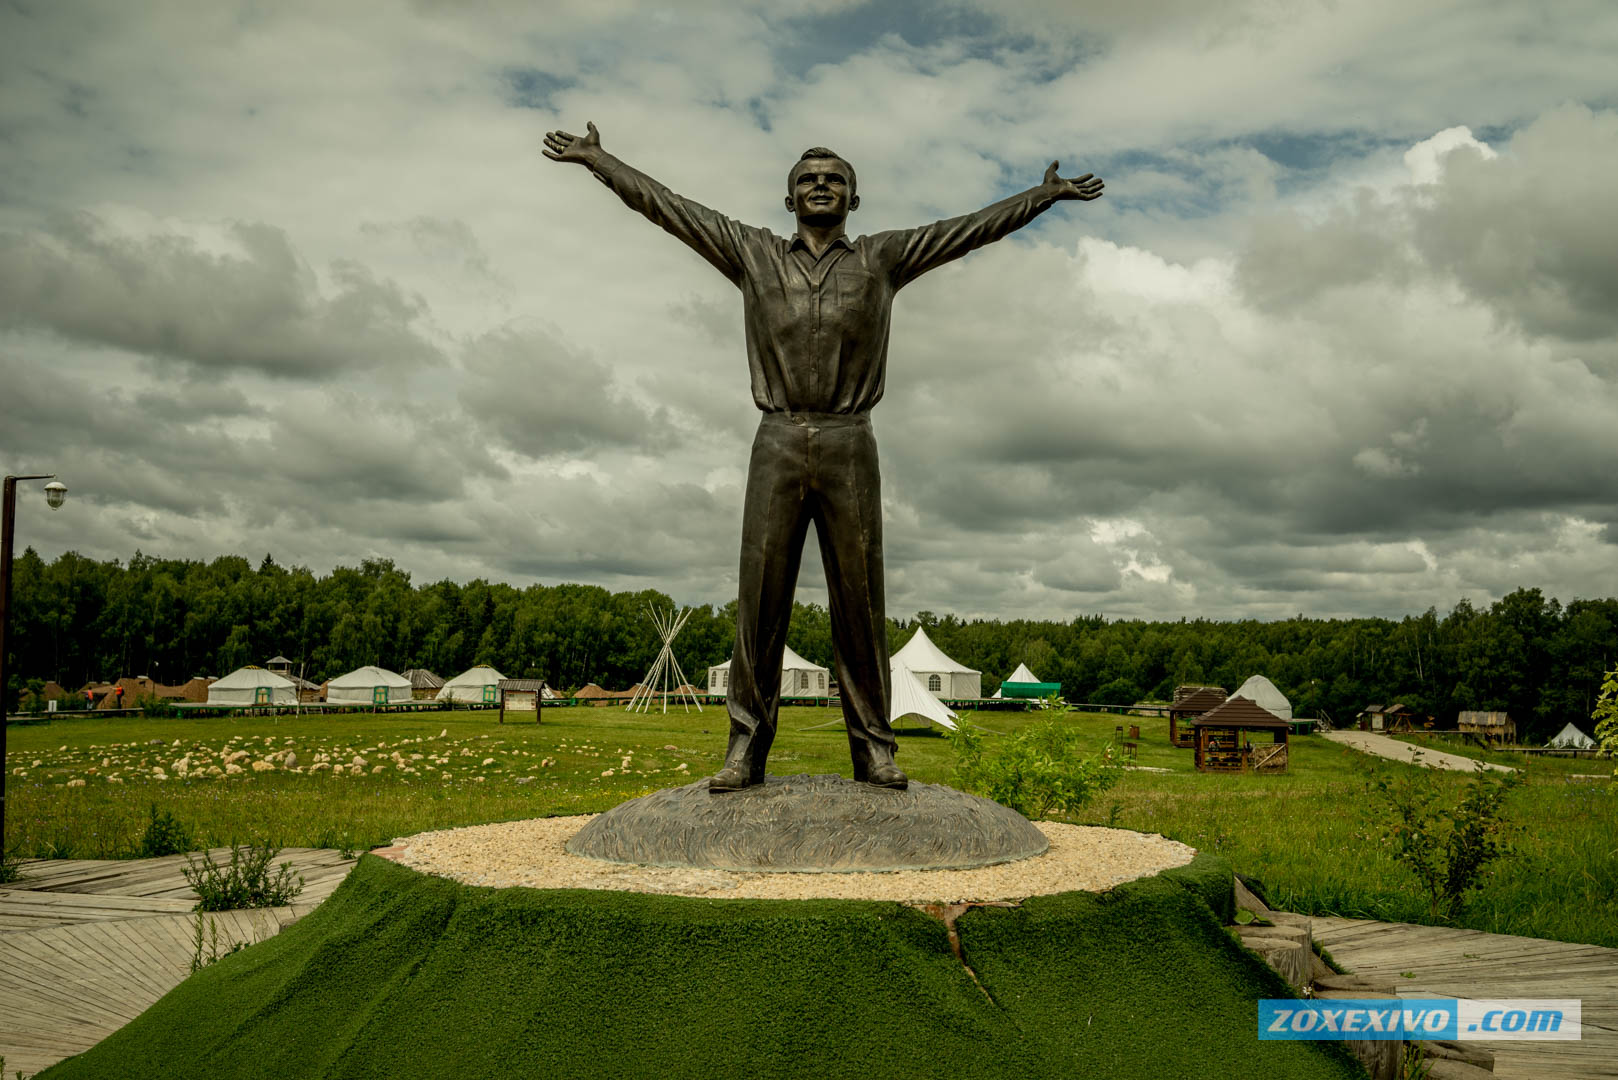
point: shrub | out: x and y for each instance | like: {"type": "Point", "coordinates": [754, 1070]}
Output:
{"type": "Point", "coordinates": [165, 835]}
{"type": "Point", "coordinates": [1606, 716]}
{"type": "Point", "coordinates": [244, 882]}
{"type": "Point", "coordinates": [1448, 847]}
{"type": "Point", "coordinates": [1037, 772]}
{"type": "Point", "coordinates": [153, 707]}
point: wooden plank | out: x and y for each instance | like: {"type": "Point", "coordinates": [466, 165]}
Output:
{"type": "Point", "coordinates": [1471, 963]}
{"type": "Point", "coordinates": [63, 989]}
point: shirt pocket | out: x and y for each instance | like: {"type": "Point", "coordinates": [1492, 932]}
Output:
{"type": "Point", "coordinates": [856, 294]}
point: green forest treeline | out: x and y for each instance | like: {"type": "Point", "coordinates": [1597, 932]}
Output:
{"type": "Point", "coordinates": [75, 619]}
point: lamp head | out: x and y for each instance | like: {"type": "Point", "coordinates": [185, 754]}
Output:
{"type": "Point", "coordinates": [55, 493]}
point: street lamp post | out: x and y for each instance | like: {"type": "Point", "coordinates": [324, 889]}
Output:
{"type": "Point", "coordinates": [55, 492]}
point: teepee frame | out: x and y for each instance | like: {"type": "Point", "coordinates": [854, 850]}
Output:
{"type": "Point", "coordinates": [665, 669]}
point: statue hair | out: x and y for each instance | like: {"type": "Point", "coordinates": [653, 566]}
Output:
{"type": "Point", "coordinates": [822, 152]}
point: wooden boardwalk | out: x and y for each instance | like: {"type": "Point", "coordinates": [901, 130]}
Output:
{"type": "Point", "coordinates": [1443, 962]}
{"type": "Point", "coordinates": [87, 945]}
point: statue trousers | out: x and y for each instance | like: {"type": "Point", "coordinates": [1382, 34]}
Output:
{"type": "Point", "coordinates": [820, 468]}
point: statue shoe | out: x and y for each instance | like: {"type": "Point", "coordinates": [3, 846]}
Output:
{"type": "Point", "coordinates": [730, 778]}
{"type": "Point", "coordinates": [887, 775]}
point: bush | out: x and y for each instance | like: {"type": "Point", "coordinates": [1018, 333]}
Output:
{"type": "Point", "coordinates": [165, 835]}
{"type": "Point", "coordinates": [1037, 772]}
{"type": "Point", "coordinates": [153, 707]}
{"type": "Point", "coordinates": [1606, 716]}
{"type": "Point", "coordinates": [1447, 847]}
{"type": "Point", "coordinates": [245, 882]}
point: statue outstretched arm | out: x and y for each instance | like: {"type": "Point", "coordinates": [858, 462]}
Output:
{"type": "Point", "coordinates": [712, 235]}
{"type": "Point", "coordinates": [913, 252]}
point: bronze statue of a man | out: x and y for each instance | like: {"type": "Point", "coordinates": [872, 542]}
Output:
{"type": "Point", "coordinates": [816, 308]}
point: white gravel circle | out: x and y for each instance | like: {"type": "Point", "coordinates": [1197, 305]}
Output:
{"type": "Point", "coordinates": [531, 853]}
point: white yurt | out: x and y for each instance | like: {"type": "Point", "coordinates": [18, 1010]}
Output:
{"type": "Point", "coordinates": [1571, 738]}
{"type": "Point", "coordinates": [475, 686]}
{"type": "Point", "coordinates": [941, 676]}
{"type": "Point", "coordinates": [1022, 674]}
{"type": "Point", "coordinates": [369, 685]}
{"type": "Point", "coordinates": [252, 686]}
{"type": "Point", "coordinates": [1262, 692]}
{"type": "Point", "coordinates": [799, 677]}
{"type": "Point", "coordinates": [910, 700]}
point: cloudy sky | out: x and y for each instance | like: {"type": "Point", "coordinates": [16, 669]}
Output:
{"type": "Point", "coordinates": [1342, 337]}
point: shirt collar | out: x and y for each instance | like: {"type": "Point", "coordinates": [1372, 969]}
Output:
{"type": "Point", "coordinates": [797, 242]}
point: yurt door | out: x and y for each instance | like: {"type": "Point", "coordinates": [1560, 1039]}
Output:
{"type": "Point", "coordinates": [379, 695]}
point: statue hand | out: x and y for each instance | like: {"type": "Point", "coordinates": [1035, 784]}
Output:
{"type": "Point", "coordinates": [562, 146]}
{"type": "Point", "coordinates": [1084, 187]}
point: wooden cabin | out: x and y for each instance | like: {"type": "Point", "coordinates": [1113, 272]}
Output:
{"type": "Point", "coordinates": [1191, 702]}
{"type": "Point", "coordinates": [1225, 739]}
{"type": "Point", "coordinates": [424, 685]}
{"type": "Point", "coordinates": [1495, 728]}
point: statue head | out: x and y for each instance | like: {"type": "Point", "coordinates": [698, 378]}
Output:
{"type": "Point", "coordinates": [820, 187]}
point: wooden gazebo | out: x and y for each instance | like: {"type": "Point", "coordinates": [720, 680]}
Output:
{"type": "Point", "coordinates": [1224, 738]}
{"type": "Point", "coordinates": [1191, 702]}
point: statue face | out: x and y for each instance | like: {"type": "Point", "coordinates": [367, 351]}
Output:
{"type": "Point", "coordinates": [821, 190]}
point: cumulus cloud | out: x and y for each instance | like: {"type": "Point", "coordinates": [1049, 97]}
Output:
{"type": "Point", "coordinates": [255, 306]}
{"type": "Point", "coordinates": [1340, 338]}
{"type": "Point", "coordinates": [541, 398]}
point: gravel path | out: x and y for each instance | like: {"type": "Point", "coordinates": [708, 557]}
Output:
{"type": "Point", "coordinates": [1369, 742]}
{"type": "Point", "coordinates": [531, 853]}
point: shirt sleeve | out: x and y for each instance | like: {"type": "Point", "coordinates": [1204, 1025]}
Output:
{"type": "Point", "coordinates": [910, 253]}
{"type": "Point", "coordinates": [712, 235]}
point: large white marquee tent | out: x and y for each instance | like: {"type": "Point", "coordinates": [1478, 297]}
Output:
{"type": "Point", "coordinates": [369, 685]}
{"type": "Point", "coordinates": [941, 676]}
{"type": "Point", "coordinates": [252, 686]}
{"type": "Point", "coordinates": [909, 698]}
{"type": "Point", "coordinates": [475, 686]}
{"type": "Point", "coordinates": [799, 677]}
{"type": "Point", "coordinates": [1262, 692]}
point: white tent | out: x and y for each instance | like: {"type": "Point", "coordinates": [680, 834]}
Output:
{"type": "Point", "coordinates": [252, 686]}
{"type": "Point", "coordinates": [1571, 738]}
{"type": "Point", "coordinates": [799, 677]}
{"type": "Point", "coordinates": [369, 685]}
{"type": "Point", "coordinates": [475, 686]}
{"type": "Point", "coordinates": [1262, 692]}
{"type": "Point", "coordinates": [910, 698]}
{"type": "Point", "coordinates": [1022, 674]}
{"type": "Point", "coordinates": [941, 676]}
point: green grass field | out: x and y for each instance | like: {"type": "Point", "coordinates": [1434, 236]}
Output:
{"type": "Point", "coordinates": [1310, 835]}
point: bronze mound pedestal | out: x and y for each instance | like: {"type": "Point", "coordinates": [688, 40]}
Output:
{"type": "Point", "coordinates": [827, 824]}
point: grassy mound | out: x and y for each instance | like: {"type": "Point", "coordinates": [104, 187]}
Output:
{"type": "Point", "coordinates": [404, 975]}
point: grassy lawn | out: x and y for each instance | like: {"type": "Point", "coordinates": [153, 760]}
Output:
{"type": "Point", "coordinates": [1310, 835]}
